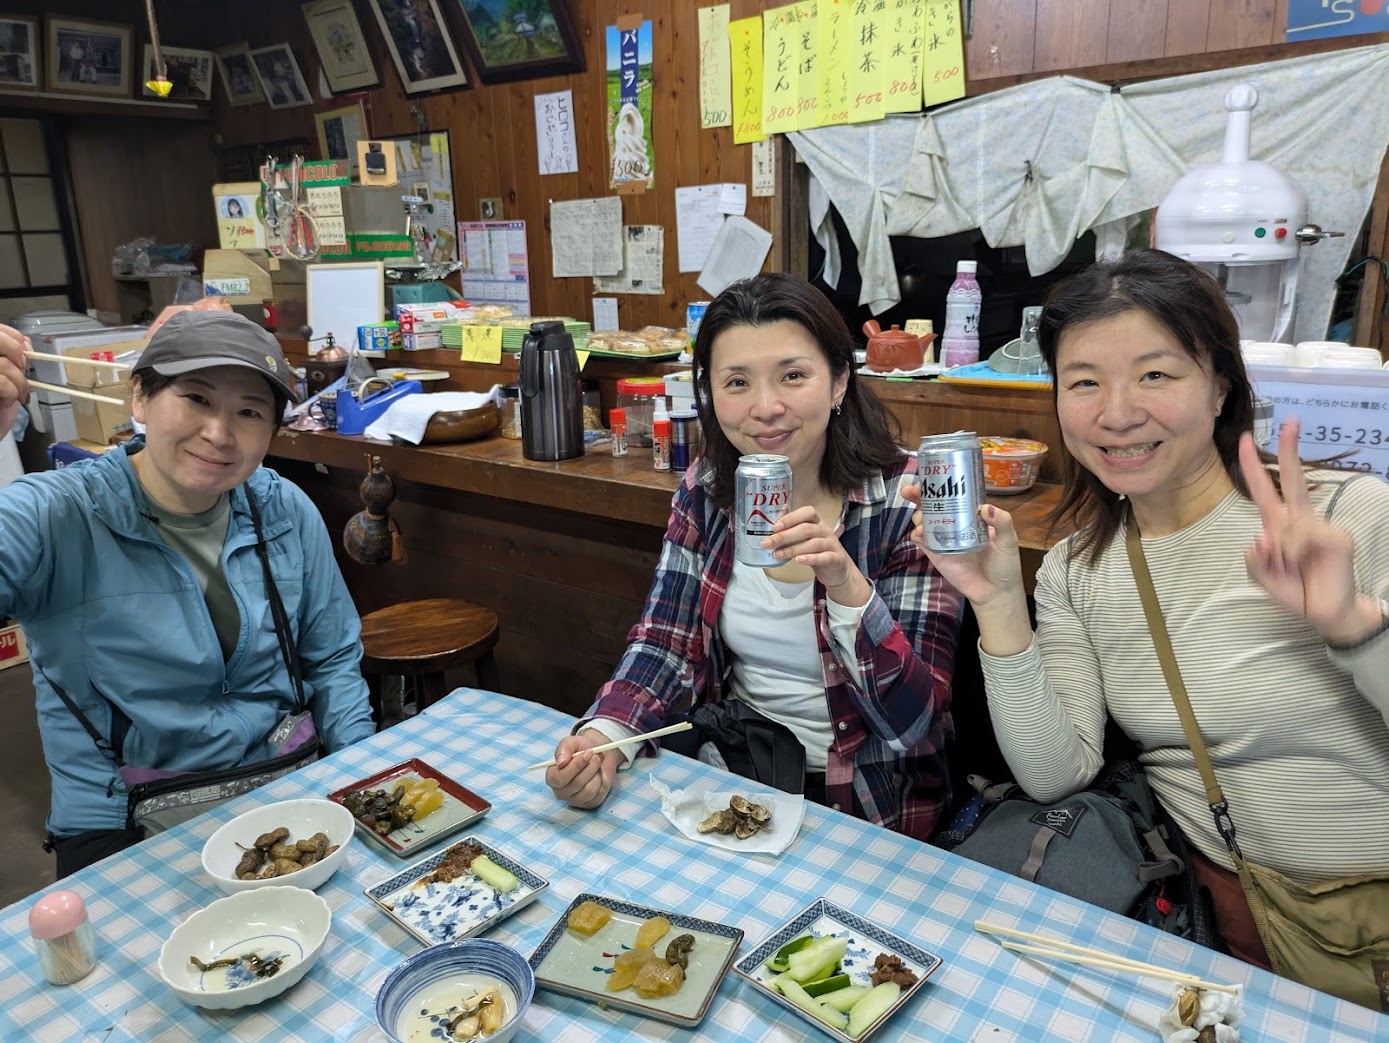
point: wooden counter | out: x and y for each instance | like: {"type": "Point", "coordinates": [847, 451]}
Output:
{"type": "Point", "coordinates": [562, 552]}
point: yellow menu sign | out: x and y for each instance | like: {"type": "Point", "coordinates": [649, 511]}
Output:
{"type": "Point", "coordinates": [868, 62]}
{"type": "Point", "coordinates": [807, 65]}
{"type": "Point", "coordinates": [944, 68]}
{"type": "Point", "coordinates": [781, 80]}
{"type": "Point", "coordinates": [832, 61]}
{"type": "Point", "coordinates": [906, 21]}
{"type": "Point", "coordinates": [482, 344]}
{"type": "Point", "coordinates": [745, 44]}
{"type": "Point", "coordinates": [715, 85]}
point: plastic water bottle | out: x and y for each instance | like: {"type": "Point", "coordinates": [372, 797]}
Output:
{"type": "Point", "coordinates": [960, 343]}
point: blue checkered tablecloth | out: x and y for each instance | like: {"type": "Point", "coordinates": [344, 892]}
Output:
{"type": "Point", "coordinates": [628, 850]}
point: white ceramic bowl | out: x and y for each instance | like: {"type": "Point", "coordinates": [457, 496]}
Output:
{"type": "Point", "coordinates": [1308, 352]}
{"type": "Point", "coordinates": [426, 973]}
{"type": "Point", "coordinates": [288, 921]}
{"type": "Point", "coordinates": [303, 818]}
{"type": "Point", "coordinates": [1350, 358]}
{"type": "Point", "coordinates": [1266, 353]}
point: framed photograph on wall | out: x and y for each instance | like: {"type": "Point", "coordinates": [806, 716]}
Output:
{"type": "Point", "coordinates": [507, 40]}
{"type": "Point", "coordinates": [87, 57]}
{"type": "Point", "coordinates": [342, 49]}
{"type": "Point", "coordinates": [280, 78]}
{"type": "Point", "coordinates": [340, 129]}
{"type": "Point", "coordinates": [189, 71]}
{"type": "Point", "coordinates": [420, 44]}
{"type": "Point", "coordinates": [239, 75]}
{"type": "Point", "coordinates": [19, 53]}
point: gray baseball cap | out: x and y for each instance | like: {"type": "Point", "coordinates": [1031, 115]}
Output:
{"type": "Point", "coordinates": [194, 340]}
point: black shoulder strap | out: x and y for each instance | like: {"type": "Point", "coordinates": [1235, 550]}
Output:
{"type": "Point", "coordinates": [103, 744]}
{"type": "Point", "coordinates": [288, 649]}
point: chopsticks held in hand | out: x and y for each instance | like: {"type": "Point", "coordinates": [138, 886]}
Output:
{"type": "Point", "coordinates": [670, 729]}
{"type": "Point", "coordinates": [74, 392]}
{"type": "Point", "coordinates": [1055, 949]}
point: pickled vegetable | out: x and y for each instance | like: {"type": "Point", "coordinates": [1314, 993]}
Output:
{"type": "Point", "coordinates": [652, 932]}
{"type": "Point", "coordinates": [658, 978]}
{"type": "Point", "coordinates": [589, 918]}
{"type": "Point", "coordinates": [503, 880]}
{"type": "Point", "coordinates": [626, 967]}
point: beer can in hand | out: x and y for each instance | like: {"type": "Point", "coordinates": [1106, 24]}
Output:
{"type": "Point", "coordinates": [950, 469]}
{"type": "Point", "coordinates": [762, 494]}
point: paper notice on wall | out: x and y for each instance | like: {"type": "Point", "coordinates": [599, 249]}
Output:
{"type": "Point", "coordinates": [833, 19]}
{"type": "Point", "coordinates": [781, 81]}
{"type": "Point", "coordinates": [764, 167]}
{"type": "Point", "coordinates": [555, 147]}
{"type": "Point", "coordinates": [643, 262]}
{"type": "Point", "coordinates": [325, 204]}
{"type": "Point", "coordinates": [943, 71]}
{"type": "Point", "coordinates": [738, 252]}
{"type": "Point", "coordinates": [630, 90]}
{"type": "Point", "coordinates": [745, 47]}
{"type": "Point", "coordinates": [807, 70]}
{"type": "Point", "coordinates": [868, 56]}
{"type": "Point", "coordinates": [715, 69]}
{"type": "Point", "coordinates": [697, 221]}
{"type": "Point", "coordinates": [906, 21]}
{"type": "Point", "coordinates": [733, 198]}
{"type": "Point", "coordinates": [586, 237]}
{"type": "Point", "coordinates": [605, 313]}
{"type": "Point", "coordinates": [496, 264]}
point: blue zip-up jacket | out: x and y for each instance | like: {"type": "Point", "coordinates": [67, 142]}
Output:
{"type": "Point", "coordinates": [116, 617]}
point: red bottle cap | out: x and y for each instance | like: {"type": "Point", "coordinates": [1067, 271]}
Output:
{"type": "Point", "coordinates": [660, 427]}
{"type": "Point", "coordinates": [617, 416]}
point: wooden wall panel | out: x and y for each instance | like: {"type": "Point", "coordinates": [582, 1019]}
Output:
{"type": "Point", "coordinates": [1070, 34]}
{"type": "Point", "coordinates": [1240, 23]}
{"type": "Point", "coordinates": [1003, 40]}
{"type": "Point", "coordinates": [1186, 27]}
{"type": "Point", "coordinates": [1137, 30]}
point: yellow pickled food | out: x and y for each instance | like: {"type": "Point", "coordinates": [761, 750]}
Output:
{"type": "Point", "coordinates": [424, 795]}
{"type": "Point", "coordinates": [658, 978]}
{"type": "Point", "coordinates": [589, 918]}
{"type": "Point", "coordinates": [626, 967]}
{"type": "Point", "coordinates": [652, 932]}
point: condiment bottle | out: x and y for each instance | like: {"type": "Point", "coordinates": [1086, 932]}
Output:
{"type": "Point", "coordinates": [617, 427]}
{"type": "Point", "coordinates": [960, 345]}
{"type": "Point", "coordinates": [660, 444]}
{"type": "Point", "coordinates": [63, 937]}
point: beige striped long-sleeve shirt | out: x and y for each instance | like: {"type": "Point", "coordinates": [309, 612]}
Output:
{"type": "Point", "coordinates": [1297, 732]}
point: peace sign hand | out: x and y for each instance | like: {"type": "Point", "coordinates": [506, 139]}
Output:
{"type": "Point", "coordinates": [1301, 560]}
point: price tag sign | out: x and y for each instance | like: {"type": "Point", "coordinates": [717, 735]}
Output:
{"type": "Point", "coordinates": [1342, 412]}
{"type": "Point", "coordinates": [482, 344]}
{"type": "Point", "coordinates": [582, 356]}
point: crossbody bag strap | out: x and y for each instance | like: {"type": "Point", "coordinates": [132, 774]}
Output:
{"type": "Point", "coordinates": [106, 746]}
{"type": "Point", "coordinates": [288, 649]}
{"type": "Point", "coordinates": [1157, 627]}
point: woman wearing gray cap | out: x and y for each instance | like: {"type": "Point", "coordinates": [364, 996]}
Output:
{"type": "Point", "coordinates": [181, 602]}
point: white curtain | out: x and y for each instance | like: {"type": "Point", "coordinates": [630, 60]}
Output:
{"type": "Point", "coordinates": [1038, 165]}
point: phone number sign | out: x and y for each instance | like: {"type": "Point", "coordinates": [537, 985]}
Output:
{"type": "Point", "coordinates": [1343, 413]}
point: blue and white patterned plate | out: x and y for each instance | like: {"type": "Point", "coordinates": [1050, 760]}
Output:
{"type": "Point", "coordinates": [465, 906]}
{"type": "Point", "coordinates": [866, 941]}
{"type": "Point", "coordinates": [577, 966]}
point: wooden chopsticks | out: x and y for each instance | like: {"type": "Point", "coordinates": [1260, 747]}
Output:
{"type": "Point", "coordinates": [671, 729]}
{"type": "Point", "coordinates": [74, 392]}
{"type": "Point", "coordinates": [1055, 949]}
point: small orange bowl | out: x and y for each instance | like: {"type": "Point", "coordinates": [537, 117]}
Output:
{"type": "Point", "coordinates": [1011, 465]}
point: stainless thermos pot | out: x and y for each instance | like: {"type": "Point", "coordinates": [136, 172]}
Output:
{"type": "Point", "coordinates": [552, 415]}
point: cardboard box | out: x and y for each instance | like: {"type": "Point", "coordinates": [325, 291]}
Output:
{"type": "Point", "coordinates": [378, 338]}
{"type": "Point", "coordinates": [100, 422]}
{"type": "Point", "coordinates": [54, 419]}
{"type": "Point", "coordinates": [78, 344]}
{"type": "Point", "coordinates": [13, 650]}
{"type": "Point", "coordinates": [241, 276]}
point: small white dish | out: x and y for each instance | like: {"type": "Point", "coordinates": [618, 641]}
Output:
{"type": "Point", "coordinates": [286, 922]}
{"type": "Point", "coordinates": [303, 818]}
{"type": "Point", "coordinates": [1350, 358]}
{"type": "Point", "coordinates": [1309, 352]}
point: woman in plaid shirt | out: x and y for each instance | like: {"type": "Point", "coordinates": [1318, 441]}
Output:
{"type": "Point", "coordinates": [851, 642]}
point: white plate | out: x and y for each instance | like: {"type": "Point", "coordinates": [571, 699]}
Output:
{"type": "Point", "coordinates": [866, 941]}
{"type": "Point", "coordinates": [577, 966]}
{"type": "Point", "coordinates": [438, 912]}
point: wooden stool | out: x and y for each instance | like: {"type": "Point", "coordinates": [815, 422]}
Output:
{"type": "Point", "coordinates": [422, 639]}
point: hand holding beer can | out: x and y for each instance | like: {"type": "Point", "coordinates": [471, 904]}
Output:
{"type": "Point", "coordinates": [762, 494]}
{"type": "Point", "coordinates": [950, 470]}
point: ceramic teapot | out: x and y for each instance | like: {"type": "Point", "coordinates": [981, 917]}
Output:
{"type": "Point", "coordinates": [895, 348]}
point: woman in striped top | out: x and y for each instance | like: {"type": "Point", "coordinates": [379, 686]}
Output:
{"type": "Point", "coordinates": [1273, 598]}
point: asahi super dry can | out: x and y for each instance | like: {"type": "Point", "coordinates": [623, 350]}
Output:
{"type": "Point", "coordinates": [950, 469]}
{"type": "Point", "coordinates": [762, 494]}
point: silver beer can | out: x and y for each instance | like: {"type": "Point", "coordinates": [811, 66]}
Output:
{"type": "Point", "coordinates": [950, 469]}
{"type": "Point", "coordinates": [761, 495]}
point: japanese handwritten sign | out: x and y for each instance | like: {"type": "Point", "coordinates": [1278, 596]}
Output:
{"type": "Point", "coordinates": [807, 65]}
{"type": "Point", "coordinates": [832, 69]}
{"type": "Point", "coordinates": [555, 148]}
{"type": "Point", "coordinates": [482, 344]}
{"type": "Point", "coordinates": [781, 82]}
{"type": "Point", "coordinates": [764, 167]}
{"type": "Point", "coordinates": [745, 42]}
{"type": "Point", "coordinates": [868, 52]}
{"type": "Point", "coordinates": [715, 68]}
{"type": "Point", "coordinates": [944, 73]}
{"type": "Point", "coordinates": [906, 21]}
{"type": "Point", "coordinates": [629, 105]}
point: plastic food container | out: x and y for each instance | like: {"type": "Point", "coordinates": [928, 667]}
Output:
{"type": "Point", "coordinates": [637, 395]}
{"type": "Point", "coordinates": [1011, 465]}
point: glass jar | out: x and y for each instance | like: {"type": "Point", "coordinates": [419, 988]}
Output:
{"type": "Point", "coordinates": [637, 395]}
{"type": "Point", "coordinates": [593, 406]}
{"type": "Point", "coordinates": [511, 411]}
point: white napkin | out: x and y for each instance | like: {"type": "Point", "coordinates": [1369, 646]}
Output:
{"type": "Point", "coordinates": [687, 808]}
{"type": "Point", "coordinates": [408, 417]}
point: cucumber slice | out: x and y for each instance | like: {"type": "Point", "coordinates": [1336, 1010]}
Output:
{"type": "Point", "coordinates": [833, 983]}
{"type": "Point", "coordinates": [503, 880]}
{"type": "Point", "coordinates": [779, 959]}
{"type": "Point", "coordinates": [872, 1007]}
{"type": "Point", "coordinates": [817, 960]}
{"type": "Point", "coordinates": [844, 999]}
{"type": "Point", "coordinates": [797, 995]}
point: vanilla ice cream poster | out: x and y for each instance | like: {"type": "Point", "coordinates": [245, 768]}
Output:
{"type": "Point", "coordinates": [629, 107]}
